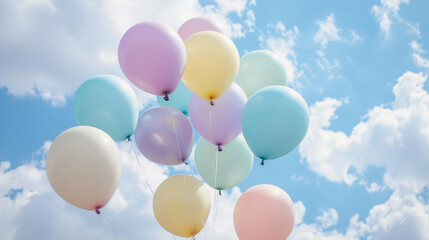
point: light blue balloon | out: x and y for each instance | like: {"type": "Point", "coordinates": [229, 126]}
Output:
{"type": "Point", "coordinates": [179, 99]}
{"type": "Point", "coordinates": [107, 102]}
{"type": "Point", "coordinates": [275, 121]}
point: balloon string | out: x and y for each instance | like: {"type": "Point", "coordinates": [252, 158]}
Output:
{"type": "Point", "coordinates": [138, 161]}
{"type": "Point", "coordinates": [149, 186]}
{"type": "Point", "coordinates": [195, 183]}
{"type": "Point", "coordinates": [175, 133]}
{"type": "Point", "coordinates": [107, 225]}
{"type": "Point", "coordinates": [189, 204]}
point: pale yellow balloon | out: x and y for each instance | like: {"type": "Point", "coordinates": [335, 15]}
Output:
{"type": "Point", "coordinates": [212, 64]}
{"type": "Point", "coordinates": [181, 205]}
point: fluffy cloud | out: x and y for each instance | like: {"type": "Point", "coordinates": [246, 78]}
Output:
{"type": "Point", "coordinates": [50, 47]}
{"type": "Point", "coordinates": [393, 136]}
{"type": "Point", "coordinates": [387, 11]}
{"type": "Point", "coordinates": [281, 42]}
{"type": "Point", "coordinates": [328, 218]}
{"type": "Point", "coordinates": [327, 31]}
{"type": "Point", "coordinates": [417, 55]}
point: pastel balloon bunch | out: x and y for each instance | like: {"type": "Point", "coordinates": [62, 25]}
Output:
{"type": "Point", "coordinates": [239, 107]}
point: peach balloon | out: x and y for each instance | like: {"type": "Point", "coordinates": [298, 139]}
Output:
{"type": "Point", "coordinates": [264, 212]}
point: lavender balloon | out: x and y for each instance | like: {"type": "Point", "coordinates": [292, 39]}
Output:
{"type": "Point", "coordinates": [196, 25]}
{"type": "Point", "coordinates": [225, 115]}
{"type": "Point", "coordinates": [156, 137]}
{"type": "Point", "coordinates": [153, 57]}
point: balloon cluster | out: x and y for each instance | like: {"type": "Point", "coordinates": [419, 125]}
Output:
{"type": "Point", "coordinates": [196, 72]}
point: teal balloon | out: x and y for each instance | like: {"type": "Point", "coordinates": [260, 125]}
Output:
{"type": "Point", "coordinates": [179, 99]}
{"type": "Point", "coordinates": [234, 162]}
{"type": "Point", "coordinates": [275, 121]}
{"type": "Point", "coordinates": [259, 69]}
{"type": "Point", "coordinates": [107, 102]}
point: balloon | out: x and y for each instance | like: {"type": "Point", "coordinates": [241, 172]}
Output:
{"type": "Point", "coordinates": [264, 212]}
{"type": "Point", "coordinates": [234, 163]}
{"type": "Point", "coordinates": [164, 135]}
{"type": "Point", "coordinates": [212, 64]}
{"type": "Point", "coordinates": [198, 24]}
{"type": "Point", "coordinates": [84, 167]}
{"type": "Point", "coordinates": [181, 205]}
{"type": "Point", "coordinates": [108, 103]}
{"type": "Point", "coordinates": [275, 120]}
{"type": "Point", "coordinates": [259, 69]}
{"type": "Point", "coordinates": [225, 123]}
{"type": "Point", "coordinates": [153, 57]}
{"type": "Point", "coordinates": [179, 99]}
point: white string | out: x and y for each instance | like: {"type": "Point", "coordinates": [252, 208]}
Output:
{"type": "Point", "coordinates": [150, 188]}
{"type": "Point", "coordinates": [175, 133]}
{"type": "Point", "coordinates": [107, 225]}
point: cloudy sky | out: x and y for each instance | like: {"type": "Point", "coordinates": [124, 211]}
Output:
{"type": "Point", "coordinates": [362, 66]}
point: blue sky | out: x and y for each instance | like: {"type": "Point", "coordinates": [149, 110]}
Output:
{"type": "Point", "coordinates": [361, 172]}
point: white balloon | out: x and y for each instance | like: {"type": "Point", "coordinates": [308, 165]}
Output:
{"type": "Point", "coordinates": [84, 167]}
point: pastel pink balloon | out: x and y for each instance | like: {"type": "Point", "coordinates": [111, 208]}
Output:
{"type": "Point", "coordinates": [264, 212]}
{"type": "Point", "coordinates": [225, 123]}
{"type": "Point", "coordinates": [198, 24]}
{"type": "Point", "coordinates": [153, 57]}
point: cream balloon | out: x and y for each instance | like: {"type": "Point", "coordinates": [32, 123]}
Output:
{"type": "Point", "coordinates": [181, 205]}
{"type": "Point", "coordinates": [84, 167]}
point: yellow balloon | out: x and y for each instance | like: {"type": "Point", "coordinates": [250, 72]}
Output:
{"type": "Point", "coordinates": [181, 205]}
{"type": "Point", "coordinates": [212, 64]}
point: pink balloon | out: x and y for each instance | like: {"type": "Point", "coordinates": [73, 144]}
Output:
{"type": "Point", "coordinates": [164, 135]}
{"type": "Point", "coordinates": [153, 57]}
{"type": "Point", "coordinates": [225, 115]}
{"type": "Point", "coordinates": [198, 24]}
{"type": "Point", "coordinates": [264, 212]}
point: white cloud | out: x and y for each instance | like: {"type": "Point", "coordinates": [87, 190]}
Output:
{"type": "Point", "coordinates": [328, 218]}
{"type": "Point", "coordinates": [417, 55]}
{"type": "Point", "coordinates": [395, 138]}
{"type": "Point", "coordinates": [387, 11]}
{"type": "Point", "coordinates": [47, 51]}
{"type": "Point", "coordinates": [228, 6]}
{"type": "Point", "coordinates": [281, 42]}
{"type": "Point", "coordinates": [327, 31]}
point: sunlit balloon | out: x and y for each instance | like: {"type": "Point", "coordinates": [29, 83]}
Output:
{"type": "Point", "coordinates": [234, 163]}
{"type": "Point", "coordinates": [108, 103]}
{"type": "Point", "coordinates": [259, 69]}
{"type": "Point", "coordinates": [219, 123]}
{"type": "Point", "coordinates": [264, 212]}
{"type": "Point", "coordinates": [212, 64]}
{"type": "Point", "coordinates": [275, 121]}
{"type": "Point", "coordinates": [153, 57]}
{"type": "Point", "coordinates": [84, 166]}
{"type": "Point", "coordinates": [181, 205]}
{"type": "Point", "coordinates": [164, 135]}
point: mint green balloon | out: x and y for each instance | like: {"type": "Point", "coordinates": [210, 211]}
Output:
{"type": "Point", "coordinates": [179, 99]}
{"type": "Point", "coordinates": [234, 162]}
{"type": "Point", "coordinates": [259, 69]}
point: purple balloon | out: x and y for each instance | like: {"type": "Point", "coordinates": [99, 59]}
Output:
{"type": "Point", "coordinates": [156, 137]}
{"type": "Point", "coordinates": [225, 115]}
{"type": "Point", "coordinates": [198, 24]}
{"type": "Point", "coordinates": [153, 57]}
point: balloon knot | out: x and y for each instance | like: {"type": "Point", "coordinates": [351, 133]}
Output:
{"type": "Point", "coordinates": [220, 192]}
{"type": "Point", "coordinates": [185, 162]}
{"type": "Point", "coordinates": [211, 102]}
{"type": "Point", "coordinates": [166, 98]}
{"type": "Point", "coordinates": [262, 161]}
{"type": "Point", "coordinates": [129, 139]}
{"type": "Point", "coordinates": [219, 148]}
{"type": "Point", "coordinates": [97, 211]}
